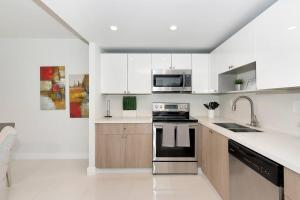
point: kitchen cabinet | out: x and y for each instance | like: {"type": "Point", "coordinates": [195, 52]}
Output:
{"type": "Point", "coordinates": [139, 73]}
{"type": "Point", "coordinates": [277, 46]}
{"type": "Point", "coordinates": [237, 50]}
{"type": "Point", "coordinates": [200, 73]}
{"type": "Point", "coordinates": [161, 61]}
{"type": "Point", "coordinates": [123, 145]}
{"type": "Point", "coordinates": [181, 61]}
{"type": "Point", "coordinates": [113, 73]}
{"type": "Point", "coordinates": [200, 147]}
{"type": "Point", "coordinates": [126, 73]}
{"type": "Point", "coordinates": [291, 185]}
{"type": "Point", "coordinates": [171, 61]}
{"type": "Point", "coordinates": [233, 53]}
{"type": "Point", "coordinates": [215, 160]}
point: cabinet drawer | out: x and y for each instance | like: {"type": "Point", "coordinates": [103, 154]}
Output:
{"type": "Point", "coordinates": [138, 128]}
{"type": "Point", "coordinates": [109, 129]}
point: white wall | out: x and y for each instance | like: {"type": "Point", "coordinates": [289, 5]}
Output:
{"type": "Point", "coordinates": [278, 111]}
{"type": "Point", "coordinates": [144, 103]}
{"type": "Point", "coordinates": [41, 134]}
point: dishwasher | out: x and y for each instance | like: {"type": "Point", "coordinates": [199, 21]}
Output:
{"type": "Point", "coordinates": [253, 176]}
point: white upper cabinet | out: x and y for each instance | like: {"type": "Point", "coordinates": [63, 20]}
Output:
{"type": "Point", "coordinates": [242, 46]}
{"type": "Point", "coordinates": [139, 73]}
{"type": "Point", "coordinates": [161, 61]}
{"type": "Point", "coordinates": [200, 70]}
{"type": "Point", "coordinates": [171, 61]}
{"type": "Point", "coordinates": [181, 61]}
{"type": "Point", "coordinates": [278, 46]}
{"type": "Point", "coordinates": [113, 73]}
{"type": "Point", "coordinates": [236, 51]}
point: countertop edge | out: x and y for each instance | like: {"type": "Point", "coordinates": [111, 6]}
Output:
{"type": "Point", "coordinates": [127, 120]}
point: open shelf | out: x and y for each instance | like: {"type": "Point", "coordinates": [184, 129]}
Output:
{"type": "Point", "coordinates": [245, 72]}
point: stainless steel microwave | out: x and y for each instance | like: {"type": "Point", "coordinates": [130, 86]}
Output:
{"type": "Point", "coordinates": [171, 81]}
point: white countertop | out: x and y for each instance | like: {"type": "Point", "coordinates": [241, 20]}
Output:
{"type": "Point", "coordinates": [280, 147]}
{"type": "Point", "coordinates": [125, 120]}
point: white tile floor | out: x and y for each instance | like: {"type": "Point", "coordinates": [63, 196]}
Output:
{"type": "Point", "coordinates": [67, 180]}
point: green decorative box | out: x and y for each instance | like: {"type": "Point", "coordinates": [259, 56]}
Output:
{"type": "Point", "coordinates": [129, 103]}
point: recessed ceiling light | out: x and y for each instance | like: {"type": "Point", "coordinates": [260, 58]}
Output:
{"type": "Point", "coordinates": [292, 28]}
{"type": "Point", "coordinates": [113, 28]}
{"type": "Point", "coordinates": [173, 28]}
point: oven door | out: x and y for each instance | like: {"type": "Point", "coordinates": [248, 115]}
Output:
{"type": "Point", "coordinates": [161, 153]}
{"type": "Point", "coordinates": [171, 81]}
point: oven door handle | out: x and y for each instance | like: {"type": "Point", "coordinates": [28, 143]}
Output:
{"type": "Point", "coordinates": [183, 77]}
{"type": "Point", "coordinates": [160, 125]}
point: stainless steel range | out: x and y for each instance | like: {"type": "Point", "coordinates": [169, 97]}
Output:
{"type": "Point", "coordinates": [175, 139]}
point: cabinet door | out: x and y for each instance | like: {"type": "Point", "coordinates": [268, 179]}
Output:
{"type": "Point", "coordinates": [138, 153]}
{"type": "Point", "coordinates": [220, 62]}
{"type": "Point", "coordinates": [278, 46]}
{"type": "Point", "coordinates": [110, 146]}
{"type": "Point", "coordinates": [206, 152]}
{"type": "Point", "coordinates": [200, 149]}
{"type": "Point", "coordinates": [291, 185]}
{"type": "Point", "coordinates": [181, 61]}
{"type": "Point", "coordinates": [200, 70]}
{"type": "Point", "coordinates": [110, 151]}
{"type": "Point", "coordinates": [139, 73]}
{"type": "Point", "coordinates": [161, 61]}
{"type": "Point", "coordinates": [220, 164]}
{"type": "Point", "coordinates": [242, 46]}
{"type": "Point", "coordinates": [113, 73]}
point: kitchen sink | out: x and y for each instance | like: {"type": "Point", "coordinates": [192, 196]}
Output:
{"type": "Point", "coordinates": [236, 127]}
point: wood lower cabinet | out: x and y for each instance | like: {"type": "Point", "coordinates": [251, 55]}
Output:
{"type": "Point", "coordinates": [215, 160]}
{"type": "Point", "coordinates": [138, 152]}
{"type": "Point", "coordinates": [291, 185]}
{"type": "Point", "coordinates": [109, 151]}
{"type": "Point", "coordinates": [123, 145]}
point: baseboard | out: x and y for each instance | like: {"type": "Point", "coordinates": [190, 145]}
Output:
{"type": "Point", "coordinates": [200, 172]}
{"type": "Point", "coordinates": [127, 171]}
{"type": "Point", "coordinates": [124, 171]}
{"type": "Point", "coordinates": [43, 156]}
{"type": "Point", "coordinates": [91, 171]}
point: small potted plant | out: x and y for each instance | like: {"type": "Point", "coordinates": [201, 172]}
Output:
{"type": "Point", "coordinates": [238, 84]}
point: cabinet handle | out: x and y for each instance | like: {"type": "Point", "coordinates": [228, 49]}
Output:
{"type": "Point", "coordinates": [124, 91]}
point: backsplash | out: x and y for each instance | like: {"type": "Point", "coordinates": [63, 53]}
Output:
{"type": "Point", "coordinates": [278, 111]}
{"type": "Point", "coordinates": [144, 103]}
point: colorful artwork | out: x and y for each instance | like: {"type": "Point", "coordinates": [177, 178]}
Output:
{"type": "Point", "coordinates": [79, 96]}
{"type": "Point", "coordinates": [52, 88]}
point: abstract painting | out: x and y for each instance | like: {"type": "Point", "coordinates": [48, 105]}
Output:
{"type": "Point", "coordinates": [52, 88]}
{"type": "Point", "coordinates": [79, 96]}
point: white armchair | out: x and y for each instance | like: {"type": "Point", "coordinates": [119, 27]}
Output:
{"type": "Point", "coordinates": [7, 139]}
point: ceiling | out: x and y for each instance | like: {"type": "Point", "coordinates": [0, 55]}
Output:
{"type": "Point", "coordinates": [144, 24]}
{"type": "Point", "coordinates": [26, 19]}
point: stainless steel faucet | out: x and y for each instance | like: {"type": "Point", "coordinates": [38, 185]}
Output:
{"type": "Point", "coordinates": [254, 121]}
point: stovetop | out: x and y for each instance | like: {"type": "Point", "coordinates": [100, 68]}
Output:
{"type": "Point", "coordinates": [181, 119]}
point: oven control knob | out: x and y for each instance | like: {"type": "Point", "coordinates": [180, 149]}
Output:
{"type": "Point", "coordinates": [182, 106]}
